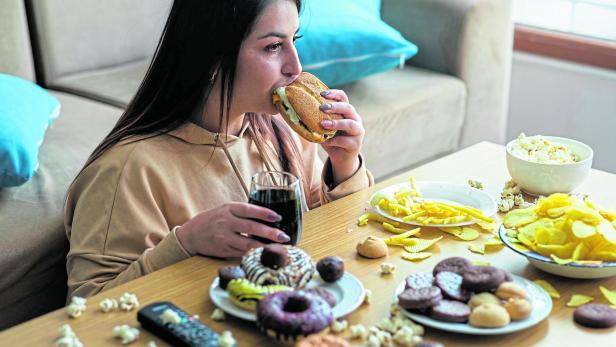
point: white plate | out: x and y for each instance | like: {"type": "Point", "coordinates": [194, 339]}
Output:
{"type": "Point", "coordinates": [451, 193]}
{"type": "Point", "coordinates": [348, 291]}
{"type": "Point", "coordinates": [538, 297]}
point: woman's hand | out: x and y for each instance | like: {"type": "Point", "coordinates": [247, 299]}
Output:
{"type": "Point", "coordinates": [217, 231]}
{"type": "Point", "coordinates": [344, 148]}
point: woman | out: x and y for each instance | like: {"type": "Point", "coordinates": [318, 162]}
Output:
{"type": "Point", "coordinates": [168, 181]}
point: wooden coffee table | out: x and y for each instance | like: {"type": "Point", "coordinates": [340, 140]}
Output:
{"type": "Point", "coordinates": [332, 230]}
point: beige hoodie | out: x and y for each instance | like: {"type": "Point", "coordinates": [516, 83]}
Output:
{"type": "Point", "coordinates": [121, 211]}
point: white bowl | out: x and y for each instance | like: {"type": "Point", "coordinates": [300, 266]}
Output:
{"type": "Point", "coordinates": [545, 179]}
{"type": "Point", "coordinates": [571, 270]}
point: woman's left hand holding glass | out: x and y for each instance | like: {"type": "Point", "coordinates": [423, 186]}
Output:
{"type": "Point", "coordinates": [343, 149]}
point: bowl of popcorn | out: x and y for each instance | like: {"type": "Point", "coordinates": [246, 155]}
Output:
{"type": "Point", "coordinates": [542, 165]}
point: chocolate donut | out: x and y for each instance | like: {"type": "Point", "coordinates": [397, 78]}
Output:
{"type": "Point", "coordinates": [325, 294]}
{"type": "Point", "coordinates": [275, 256]}
{"type": "Point", "coordinates": [458, 265]}
{"type": "Point", "coordinates": [331, 268]}
{"type": "Point", "coordinates": [451, 286]}
{"type": "Point", "coordinates": [293, 313]}
{"type": "Point", "coordinates": [419, 298]}
{"type": "Point", "coordinates": [297, 273]}
{"type": "Point", "coordinates": [482, 278]}
{"type": "Point", "coordinates": [228, 273]}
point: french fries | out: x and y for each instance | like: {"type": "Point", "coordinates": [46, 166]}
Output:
{"type": "Point", "coordinates": [407, 204]}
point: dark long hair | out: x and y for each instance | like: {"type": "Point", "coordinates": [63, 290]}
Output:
{"type": "Point", "coordinates": [200, 41]}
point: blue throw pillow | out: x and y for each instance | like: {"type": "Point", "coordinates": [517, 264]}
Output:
{"type": "Point", "coordinates": [26, 110]}
{"type": "Point", "coordinates": [346, 40]}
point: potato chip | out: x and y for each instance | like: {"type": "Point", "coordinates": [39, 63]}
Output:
{"type": "Point", "coordinates": [489, 227]}
{"type": "Point", "coordinates": [480, 263]}
{"type": "Point", "coordinates": [364, 218]}
{"type": "Point", "coordinates": [580, 251]}
{"type": "Point", "coordinates": [393, 229]}
{"type": "Point", "coordinates": [561, 251]}
{"type": "Point", "coordinates": [582, 230]}
{"type": "Point", "coordinates": [579, 300]}
{"type": "Point", "coordinates": [609, 295]}
{"type": "Point", "coordinates": [415, 256]}
{"type": "Point", "coordinates": [520, 217]}
{"type": "Point", "coordinates": [493, 245]}
{"type": "Point", "coordinates": [463, 233]}
{"type": "Point", "coordinates": [421, 244]}
{"type": "Point", "coordinates": [476, 248]}
{"type": "Point", "coordinates": [548, 288]}
{"type": "Point", "coordinates": [560, 261]}
{"type": "Point", "coordinates": [406, 234]}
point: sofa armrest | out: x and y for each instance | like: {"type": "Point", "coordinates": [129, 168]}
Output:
{"type": "Point", "coordinates": [469, 39]}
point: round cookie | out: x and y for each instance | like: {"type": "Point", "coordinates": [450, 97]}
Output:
{"type": "Point", "coordinates": [508, 290]}
{"type": "Point", "coordinates": [419, 280]}
{"type": "Point", "coordinates": [518, 308]}
{"type": "Point", "coordinates": [419, 298]}
{"type": "Point", "coordinates": [372, 247]}
{"type": "Point", "coordinates": [482, 278]}
{"type": "Point", "coordinates": [483, 298]}
{"type": "Point", "coordinates": [228, 273]}
{"type": "Point", "coordinates": [457, 265]}
{"type": "Point", "coordinates": [595, 316]}
{"type": "Point", "coordinates": [451, 286]}
{"type": "Point", "coordinates": [450, 311]}
{"type": "Point", "coordinates": [330, 268]}
{"type": "Point", "coordinates": [489, 316]}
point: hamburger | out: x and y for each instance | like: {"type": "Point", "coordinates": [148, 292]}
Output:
{"type": "Point", "coordinates": [298, 104]}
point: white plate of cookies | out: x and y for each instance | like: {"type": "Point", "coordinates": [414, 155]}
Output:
{"type": "Point", "coordinates": [540, 303]}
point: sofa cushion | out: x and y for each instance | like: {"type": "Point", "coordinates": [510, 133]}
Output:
{"type": "Point", "coordinates": [33, 243]}
{"type": "Point", "coordinates": [411, 115]}
{"type": "Point", "coordinates": [26, 110]}
{"type": "Point", "coordinates": [15, 50]}
{"type": "Point", "coordinates": [76, 36]}
{"type": "Point", "coordinates": [115, 86]}
{"type": "Point", "coordinates": [344, 48]}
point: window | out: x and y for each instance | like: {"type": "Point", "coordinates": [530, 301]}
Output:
{"type": "Point", "coordinates": [593, 18]}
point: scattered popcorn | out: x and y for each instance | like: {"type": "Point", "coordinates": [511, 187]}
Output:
{"type": "Point", "coordinates": [358, 331]}
{"type": "Point", "coordinates": [367, 296]}
{"type": "Point", "coordinates": [339, 326]}
{"type": "Point", "coordinates": [170, 316]}
{"type": "Point", "coordinates": [128, 302]}
{"type": "Point", "coordinates": [405, 336]}
{"type": "Point", "coordinates": [518, 199]}
{"type": "Point", "coordinates": [151, 344]}
{"type": "Point", "coordinates": [506, 205]}
{"type": "Point", "coordinates": [217, 315]}
{"type": "Point", "coordinates": [537, 149]}
{"type": "Point", "coordinates": [226, 339]}
{"type": "Point", "coordinates": [108, 305]}
{"type": "Point", "coordinates": [195, 316]}
{"type": "Point", "coordinates": [77, 307]}
{"type": "Point", "coordinates": [387, 268]}
{"type": "Point", "coordinates": [126, 333]}
{"type": "Point", "coordinates": [349, 230]}
{"type": "Point", "coordinates": [475, 184]}
{"type": "Point", "coordinates": [373, 341]}
{"type": "Point", "coordinates": [67, 337]}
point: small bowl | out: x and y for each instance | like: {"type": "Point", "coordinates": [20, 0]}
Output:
{"type": "Point", "coordinates": [545, 179]}
{"type": "Point", "coordinates": [571, 270]}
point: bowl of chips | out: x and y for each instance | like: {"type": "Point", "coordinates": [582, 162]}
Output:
{"type": "Point", "coordinates": [543, 165]}
{"type": "Point", "coordinates": [564, 235]}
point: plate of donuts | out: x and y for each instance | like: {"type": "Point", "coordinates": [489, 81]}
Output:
{"type": "Point", "coordinates": [348, 293]}
{"type": "Point", "coordinates": [446, 314]}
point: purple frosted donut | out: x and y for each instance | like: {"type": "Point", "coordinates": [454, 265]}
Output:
{"type": "Point", "coordinates": [293, 313]}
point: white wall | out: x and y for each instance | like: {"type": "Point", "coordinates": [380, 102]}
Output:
{"type": "Point", "coordinates": [553, 97]}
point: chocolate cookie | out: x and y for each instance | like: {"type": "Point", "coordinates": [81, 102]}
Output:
{"type": "Point", "coordinates": [451, 286]}
{"type": "Point", "coordinates": [419, 280]}
{"type": "Point", "coordinates": [595, 316]}
{"type": "Point", "coordinates": [450, 311]}
{"type": "Point", "coordinates": [457, 265]}
{"type": "Point", "coordinates": [419, 298]}
{"type": "Point", "coordinates": [323, 293]}
{"type": "Point", "coordinates": [228, 273]}
{"type": "Point", "coordinates": [482, 278]}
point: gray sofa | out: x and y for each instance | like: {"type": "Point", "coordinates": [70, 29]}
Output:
{"type": "Point", "coordinates": [92, 56]}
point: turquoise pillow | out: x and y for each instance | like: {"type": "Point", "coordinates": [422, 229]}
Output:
{"type": "Point", "coordinates": [26, 110]}
{"type": "Point", "coordinates": [346, 40]}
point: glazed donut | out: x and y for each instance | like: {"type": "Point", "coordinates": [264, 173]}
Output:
{"type": "Point", "coordinates": [277, 264]}
{"type": "Point", "coordinates": [293, 314]}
